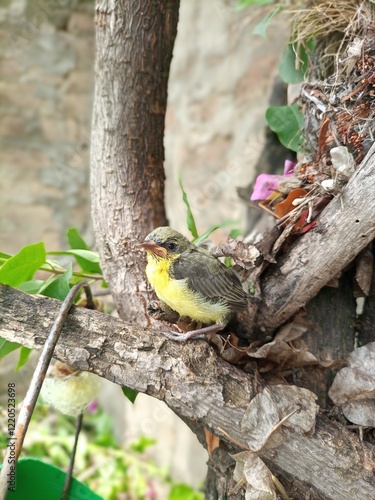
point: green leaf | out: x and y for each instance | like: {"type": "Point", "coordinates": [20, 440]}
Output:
{"type": "Point", "coordinates": [4, 256]}
{"type": "Point", "coordinates": [142, 444]}
{"type": "Point", "coordinates": [189, 217]}
{"type": "Point", "coordinates": [261, 28]}
{"type": "Point", "coordinates": [241, 4]}
{"type": "Point", "coordinates": [184, 492]}
{"type": "Point", "coordinates": [85, 254]}
{"type": "Point", "coordinates": [288, 70]}
{"type": "Point", "coordinates": [58, 287]}
{"type": "Point", "coordinates": [6, 347]}
{"type": "Point", "coordinates": [75, 239]}
{"type": "Point", "coordinates": [286, 122]}
{"type": "Point", "coordinates": [36, 480]}
{"type": "Point", "coordinates": [22, 266]}
{"type": "Point", "coordinates": [86, 259]}
{"type": "Point", "coordinates": [235, 233]}
{"type": "Point", "coordinates": [213, 228]}
{"type": "Point", "coordinates": [131, 394]}
{"type": "Point", "coordinates": [32, 286]}
{"type": "Point", "coordinates": [228, 261]}
{"type": "Point", "coordinates": [76, 242]}
{"type": "Point", "coordinates": [24, 356]}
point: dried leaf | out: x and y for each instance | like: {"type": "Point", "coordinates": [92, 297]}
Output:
{"type": "Point", "coordinates": [287, 205]}
{"type": "Point", "coordinates": [360, 412]}
{"type": "Point", "coordinates": [288, 350]}
{"type": "Point", "coordinates": [269, 408]}
{"type": "Point", "coordinates": [354, 386]}
{"type": "Point", "coordinates": [293, 330]}
{"type": "Point", "coordinates": [284, 354]}
{"type": "Point", "coordinates": [245, 255]}
{"type": "Point", "coordinates": [363, 273]}
{"type": "Point", "coordinates": [363, 359]}
{"type": "Point", "coordinates": [253, 474]}
{"type": "Point", "coordinates": [212, 441]}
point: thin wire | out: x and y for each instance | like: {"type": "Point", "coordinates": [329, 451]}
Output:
{"type": "Point", "coordinates": [33, 391]}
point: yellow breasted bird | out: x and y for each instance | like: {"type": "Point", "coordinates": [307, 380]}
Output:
{"type": "Point", "coordinates": [191, 281]}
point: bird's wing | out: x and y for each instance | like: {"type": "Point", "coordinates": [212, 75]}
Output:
{"type": "Point", "coordinates": [210, 277]}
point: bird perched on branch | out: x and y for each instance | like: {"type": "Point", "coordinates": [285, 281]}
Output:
{"type": "Point", "coordinates": [192, 282]}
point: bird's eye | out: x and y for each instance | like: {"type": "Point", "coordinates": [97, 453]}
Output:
{"type": "Point", "coordinates": [171, 246]}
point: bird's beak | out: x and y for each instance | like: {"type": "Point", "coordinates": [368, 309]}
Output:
{"type": "Point", "coordinates": [153, 247]}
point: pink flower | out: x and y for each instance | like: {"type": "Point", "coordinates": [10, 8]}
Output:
{"type": "Point", "coordinates": [266, 184]}
{"type": "Point", "coordinates": [93, 406]}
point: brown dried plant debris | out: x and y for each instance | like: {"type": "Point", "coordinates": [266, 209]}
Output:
{"type": "Point", "coordinates": [333, 25]}
{"type": "Point", "coordinates": [339, 129]}
{"type": "Point", "coordinates": [354, 387]}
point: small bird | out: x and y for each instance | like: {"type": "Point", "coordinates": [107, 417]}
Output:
{"type": "Point", "coordinates": [191, 281]}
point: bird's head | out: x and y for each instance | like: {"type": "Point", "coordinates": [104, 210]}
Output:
{"type": "Point", "coordinates": [165, 243]}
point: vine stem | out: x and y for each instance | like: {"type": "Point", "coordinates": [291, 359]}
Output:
{"type": "Point", "coordinates": [13, 452]}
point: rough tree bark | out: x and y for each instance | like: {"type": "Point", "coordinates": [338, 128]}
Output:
{"type": "Point", "coordinates": [204, 390]}
{"type": "Point", "coordinates": [134, 43]}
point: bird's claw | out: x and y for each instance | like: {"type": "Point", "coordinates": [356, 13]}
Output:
{"type": "Point", "coordinates": [182, 337]}
{"type": "Point", "coordinates": [195, 334]}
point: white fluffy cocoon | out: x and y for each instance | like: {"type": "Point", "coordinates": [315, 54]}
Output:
{"type": "Point", "coordinates": [70, 394]}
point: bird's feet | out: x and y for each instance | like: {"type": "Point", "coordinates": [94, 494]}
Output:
{"type": "Point", "coordinates": [195, 334]}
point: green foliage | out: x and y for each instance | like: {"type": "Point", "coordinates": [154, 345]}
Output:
{"type": "Point", "coordinates": [58, 287]}
{"type": "Point", "coordinates": [142, 444]}
{"type": "Point", "coordinates": [18, 271]}
{"type": "Point", "coordinates": [235, 233]}
{"type": "Point", "coordinates": [286, 122]}
{"type": "Point", "coordinates": [22, 266]}
{"type": "Point", "coordinates": [88, 264]}
{"type": "Point", "coordinates": [289, 70]}
{"type": "Point", "coordinates": [31, 287]}
{"type": "Point", "coordinates": [36, 480]}
{"type": "Point", "coordinates": [6, 347]}
{"type": "Point", "coordinates": [241, 4]}
{"type": "Point", "coordinates": [261, 28]}
{"type": "Point", "coordinates": [184, 492]}
{"type": "Point", "coordinates": [131, 394]}
{"type": "Point", "coordinates": [24, 356]}
{"type": "Point", "coordinates": [211, 229]}
{"type": "Point", "coordinates": [190, 221]}
{"type": "Point", "coordinates": [108, 469]}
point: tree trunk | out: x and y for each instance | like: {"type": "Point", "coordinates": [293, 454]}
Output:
{"type": "Point", "coordinates": [134, 49]}
{"type": "Point", "coordinates": [331, 335]}
{"type": "Point", "coordinates": [366, 325]}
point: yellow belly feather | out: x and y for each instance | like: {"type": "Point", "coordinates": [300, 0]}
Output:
{"type": "Point", "coordinates": [176, 294]}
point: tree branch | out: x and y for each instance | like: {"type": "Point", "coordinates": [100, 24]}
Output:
{"type": "Point", "coordinates": [194, 382]}
{"type": "Point", "coordinates": [344, 228]}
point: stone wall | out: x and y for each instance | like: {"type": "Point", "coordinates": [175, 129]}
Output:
{"type": "Point", "coordinates": [46, 68]}
{"type": "Point", "coordinates": [220, 82]}
{"type": "Point", "coordinates": [221, 77]}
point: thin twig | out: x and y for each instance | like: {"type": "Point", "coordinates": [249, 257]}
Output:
{"type": "Point", "coordinates": [55, 270]}
{"type": "Point", "coordinates": [28, 405]}
{"type": "Point", "coordinates": [69, 474]}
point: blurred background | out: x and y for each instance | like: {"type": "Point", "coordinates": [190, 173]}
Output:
{"type": "Point", "coordinates": [220, 84]}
